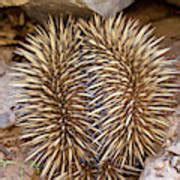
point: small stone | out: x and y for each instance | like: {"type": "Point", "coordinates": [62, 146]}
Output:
{"type": "Point", "coordinates": [175, 148]}
{"type": "Point", "coordinates": [175, 163]}
{"type": "Point", "coordinates": [159, 165]}
{"type": "Point", "coordinates": [7, 117]}
{"type": "Point", "coordinates": [168, 143]}
{"type": "Point", "coordinates": [160, 174]}
{"type": "Point", "coordinates": [159, 168]}
{"type": "Point", "coordinates": [2, 156]}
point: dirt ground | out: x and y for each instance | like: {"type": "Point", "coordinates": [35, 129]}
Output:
{"type": "Point", "coordinates": [13, 27]}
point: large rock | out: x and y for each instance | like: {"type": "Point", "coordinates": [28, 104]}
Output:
{"type": "Point", "coordinates": [107, 7]}
{"type": "Point", "coordinates": [166, 164]}
{"type": "Point", "coordinates": [41, 8]}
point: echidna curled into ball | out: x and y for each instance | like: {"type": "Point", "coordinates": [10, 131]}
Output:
{"type": "Point", "coordinates": [136, 88]}
{"type": "Point", "coordinates": [53, 110]}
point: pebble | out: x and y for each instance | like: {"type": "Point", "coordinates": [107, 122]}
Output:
{"type": "Point", "coordinates": [2, 156]}
{"type": "Point", "coordinates": [7, 117]}
{"type": "Point", "coordinates": [175, 148]}
{"type": "Point", "coordinates": [159, 165]}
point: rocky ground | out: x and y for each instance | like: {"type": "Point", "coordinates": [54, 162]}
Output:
{"type": "Point", "coordinates": [13, 27]}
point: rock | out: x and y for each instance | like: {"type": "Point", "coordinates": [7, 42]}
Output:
{"type": "Point", "coordinates": [175, 148]}
{"type": "Point", "coordinates": [161, 168]}
{"type": "Point", "coordinates": [175, 163]}
{"type": "Point", "coordinates": [166, 164]}
{"type": "Point", "coordinates": [39, 9]}
{"type": "Point", "coordinates": [7, 117]}
{"type": "Point", "coordinates": [6, 3]}
{"type": "Point", "coordinates": [175, 2]}
{"type": "Point", "coordinates": [108, 7]}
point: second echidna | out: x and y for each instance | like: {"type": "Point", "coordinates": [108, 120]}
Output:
{"type": "Point", "coordinates": [53, 102]}
{"type": "Point", "coordinates": [136, 91]}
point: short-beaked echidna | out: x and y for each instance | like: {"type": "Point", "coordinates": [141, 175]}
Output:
{"type": "Point", "coordinates": [53, 103]}
{"type": "Point", "coordinates": [137, 91]}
